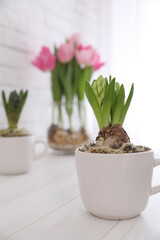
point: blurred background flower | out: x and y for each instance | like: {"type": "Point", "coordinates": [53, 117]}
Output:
{"type": "Point", "coordinates": [45, 61]}
{"type": "Point", "coordinates": [70, 65]}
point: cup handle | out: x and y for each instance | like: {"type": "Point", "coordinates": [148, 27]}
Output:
{"type": "Point", "coordinates": [39, 155]}
{"type": "Point", "coordinates": [156, 189]}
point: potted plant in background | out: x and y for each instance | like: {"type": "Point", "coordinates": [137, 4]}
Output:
{"type": "Point", "coordinates": [13, 108]}
{"type": "Point", "coordinates": [70, 65]}
{"type": "Point", "coordinates": [114, 174]}
{"type": "Point", "coordinates": [16, 145]}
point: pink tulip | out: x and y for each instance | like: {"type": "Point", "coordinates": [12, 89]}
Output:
{"type": "Point", "coordinates": [85, 55]}
{"type": "Point", "coordinates": [75, 39]}
{"type": "Point", "coordinates": [45, 61]}
{"type": "Point", "coordinates": [81, 47]}
{"type": "Point", "coordinates": [97, 63]}
{"type": "Point", "coordinates": [88, 56]}
{"type": "Point", "coordinates": [65, 52]}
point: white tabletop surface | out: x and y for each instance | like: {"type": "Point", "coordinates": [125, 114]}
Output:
{"type": "Point", "coordinates": [45, 204]}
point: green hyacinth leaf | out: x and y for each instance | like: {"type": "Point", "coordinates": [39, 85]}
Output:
{"type": "Point", "coordinates": [126, 105]}
{"type": "Point", "coordinates": [107, 103]}
{"type": "Point", "coordinates": [118, 106]}
{"type": "Point", "coordinates": [93, 102]}
{"type": "Point", "coordinates": [5, 102]}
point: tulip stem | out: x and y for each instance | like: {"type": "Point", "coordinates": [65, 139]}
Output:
{"type": "Point", "coordinates": [80, 109]}
{"type": "Point", "coordinates": [69, 111]}
{"type": "Point", "coordinates": [60, 120]}
{"type": "Point", "coordinates": [70, 123]}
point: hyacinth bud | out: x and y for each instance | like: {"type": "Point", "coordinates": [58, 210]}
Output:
{"type": "Point", "coordinates": [14, 97]}
{"type": "Point", "coordinates": [117, 87]}
{"type": "Point", "coordinates": [99, 87]}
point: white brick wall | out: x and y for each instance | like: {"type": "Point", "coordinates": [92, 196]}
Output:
{"type": "Point", "coordinates": [26, 25]}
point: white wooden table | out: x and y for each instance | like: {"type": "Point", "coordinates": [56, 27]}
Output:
{"type": "Point", "coordinates": [45, 205]}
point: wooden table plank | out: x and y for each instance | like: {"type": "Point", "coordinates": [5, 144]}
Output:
{"type": "Point", "coordinates": [144, 227]}
{"type": "Point", "coordinates": [18, 213]}
{"type": "Point", "coordinates": [48, 170]}
{"type": "Point", "coordinates": [70, 222]}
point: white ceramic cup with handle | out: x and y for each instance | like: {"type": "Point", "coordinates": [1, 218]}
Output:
{"type": "Point", "coordinates": [17, 153]}
{"type": "Point", "coordinates": [116, 186]}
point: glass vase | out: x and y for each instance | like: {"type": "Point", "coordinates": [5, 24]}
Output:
{"type": "Point", "coordinates": [67, 131]}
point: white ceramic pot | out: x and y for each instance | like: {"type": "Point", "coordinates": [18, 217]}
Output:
{"type": "Point", "coordinates": [116, 186]}
{"type": "Point", "coordinates": [18, 153]}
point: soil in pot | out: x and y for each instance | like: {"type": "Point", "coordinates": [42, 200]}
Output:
{"type": "Point", "coordinates": [13, 132]}
{"type": "Point", "coordinates": [66, 140]}
{"type": "Point", "coordinates": [113, 140]}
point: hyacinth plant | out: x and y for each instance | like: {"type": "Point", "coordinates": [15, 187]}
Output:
{"type": "Point", "coordinates": [107, 99]}
{"type": "Point", "coordinates": [13, 108]}
{"type": "Point", "coordinates": [70, 65]}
